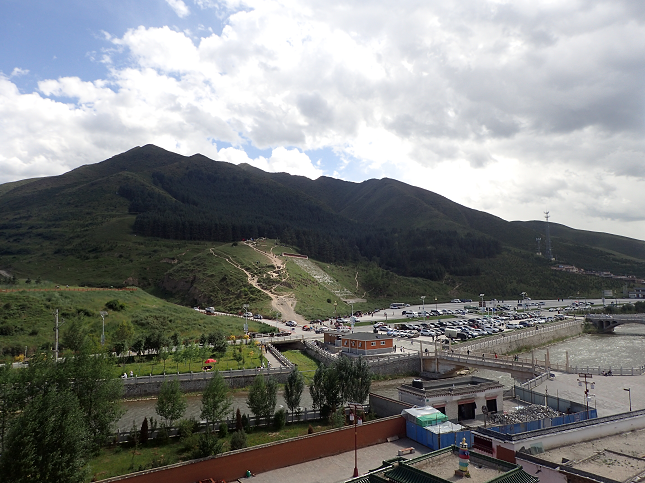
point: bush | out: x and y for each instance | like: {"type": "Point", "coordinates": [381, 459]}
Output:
{"type": "Point", "coordinates": [162, 435]}
{"type": "Point", "coordinates": [223, 430]}
{"type": "Point", "coordinates": [338, 419]}
{"type": "Point", "coordinates": [115, 305]}
{"type": "Point", "coordinates": [310, 429]}
{"type": "Point", "coordinates": [279, 419]}
{"type": "Point", "coordinates": [187, 427]}
{"type": "Point", "coordinates": [207, 445]}
{"type": "Point", "coordinates": [246, 425]}
{"type": "Point", "coordinates": [238, 440]}
{"type": "Point", "coordinates": [144, 431]}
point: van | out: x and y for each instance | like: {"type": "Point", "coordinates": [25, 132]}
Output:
{"type": "Point", "coordinates": [411, 314]}
{"type": "Point", "coordinates": [455, 334]}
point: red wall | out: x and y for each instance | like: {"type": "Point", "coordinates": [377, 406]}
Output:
{"type": "Point", "coordinates": [273, 456]}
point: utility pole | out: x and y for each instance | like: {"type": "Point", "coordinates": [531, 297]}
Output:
{"type": "Point", "coordinates": [423, 301]}
{"type": "Point", "coordinates": [56, 337]}
{"type": "Point", "coordinates": [587, 384]}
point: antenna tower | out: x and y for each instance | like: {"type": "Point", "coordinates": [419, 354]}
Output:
{"type": "Point", "coordinates": [548, 254]}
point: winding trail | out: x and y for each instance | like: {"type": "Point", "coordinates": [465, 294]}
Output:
{"type": "Point", "coordinates": [284, 304]}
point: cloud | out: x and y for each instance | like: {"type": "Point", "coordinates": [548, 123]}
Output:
{"type": "Point", "coordinates": [282, 160]}
{"type": "Point", "coordinates": [179, 7]}
{"type": "Point", "coordinates": [503, 106]}
{"type": "Point", "coordinates": [17, 71]}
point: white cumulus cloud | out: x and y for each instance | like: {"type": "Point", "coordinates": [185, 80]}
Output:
{"type": "Point", "coordinates": [179, 7]}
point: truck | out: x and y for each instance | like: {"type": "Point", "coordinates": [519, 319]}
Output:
{"type": "Point", "coordinates": [452, 333]}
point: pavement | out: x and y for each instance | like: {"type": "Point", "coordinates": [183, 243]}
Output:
{"type": "Point", "coordinates": [334, 469]}
{"type": "Point", "coordinates": [609, 395]}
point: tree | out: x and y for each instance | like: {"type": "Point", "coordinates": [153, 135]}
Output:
{"type": "Point", "coordinates": [218, 340]}
{"type": "Point", "coordinates": [47, 442]}
{"type": "Point", "coordinates": [171, 403]}
{"type": "Point", "coordinates": [123, 336]}
{"type": "Point", "coordinates": [262, 397]}
{"type": "Point", "coordinates": [164, 354]}
{"type": "Point", "coordinates": [293, 390]}
{"type": "Point", "coordinates": [89, 376]}
{"type": "Point", "coordinates": [216, 402]}
{"type": "Point", "coordinates": [75, 336]}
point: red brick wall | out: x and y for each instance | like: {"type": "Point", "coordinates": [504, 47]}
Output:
{"type": "Point", "coordinates": [273, 456]}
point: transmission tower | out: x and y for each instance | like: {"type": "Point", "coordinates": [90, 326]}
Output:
{"type": "Point", "coordinates": [548, 254]}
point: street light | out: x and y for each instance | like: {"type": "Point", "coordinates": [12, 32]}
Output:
{"type": "Point", "coordinates": [629, 390]}
{"type": "Point", "coordinates": [103, 314]}
{"type": "Point", "coordinates": [523, 294]}
{"type": "Point", "coordinates": [423, 302]}
{"type": "Point", "coordinates": [482, 304]}
{"type": "Point", "coordinates": [435, 304]}
{"type": "Point", "coordinates": [355, 417]}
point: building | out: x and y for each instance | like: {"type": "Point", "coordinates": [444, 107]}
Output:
{"type": "Point", "coordinates": [442, 466]}
{"type": "Point", "coordinates": [637, 293]}
{"type": "Point", "coordinates": [366, 344]}
{"type": "Point", "coordinates": [460, 398]}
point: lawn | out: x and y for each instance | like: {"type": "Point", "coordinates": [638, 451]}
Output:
{"type": "Point", "coordinates": [306, 365]}
{"type": "Point", "coordinates": [154, 365]}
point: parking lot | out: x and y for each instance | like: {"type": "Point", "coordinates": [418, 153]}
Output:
{"type": "Point", "coordinates": [437, 323]}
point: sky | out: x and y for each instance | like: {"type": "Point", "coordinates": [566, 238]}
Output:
{"type": "Point", "coordinates": [509, 107]}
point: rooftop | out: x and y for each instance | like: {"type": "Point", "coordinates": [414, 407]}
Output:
{"type": "Point", "coordinates": [439, 467]}
{"type": "Point", "coordinates": [366, 336]}
{"type": "Point", "coordinates": [453, 386]}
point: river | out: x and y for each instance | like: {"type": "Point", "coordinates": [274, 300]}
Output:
{"type": "Point", "coordinates": [624, 348]}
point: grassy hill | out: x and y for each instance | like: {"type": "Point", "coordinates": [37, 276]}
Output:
{"type": "Point", "coordinates": [27, 316]}
{"type": "Point", "coordinates": [166, 223]}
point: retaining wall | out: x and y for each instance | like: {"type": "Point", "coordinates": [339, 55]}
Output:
{"type": "Point", "coordinates": [384, 406]}
{"type": "Point", "coordinates": [267, 457]}
{"type": "Point", "coordinates": [196, 382]}
{"type": "Point", "coordinates": [529, 337]}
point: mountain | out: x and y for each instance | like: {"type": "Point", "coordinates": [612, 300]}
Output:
{"type": "Point", "coordinates": [106, 222]}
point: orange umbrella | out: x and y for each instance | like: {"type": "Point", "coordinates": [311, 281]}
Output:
{"type": "Point", "coordinates": [209, 361]}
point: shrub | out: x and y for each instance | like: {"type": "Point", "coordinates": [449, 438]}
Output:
{"type": "Point", "coordinates": [279, 419]}
{"type": "Point", "coordinates": [246, 425]}
{"type": "Point", "coordinates": [144, 431]}
{"type": "Point", "coordinates": [187, 427]}
{"type": "Point", "coordinates": [238, 440]}
{"type": "Point", "coordinates": [310, 429]}
{"type": "Point", "coordinates": [207, 445]}
{"type": "Point", "coordinates": [239, 425]}
{"type": "Point", "coordinates": [115, 305]}
{"type": "Point", "coordinates": [223, 430]}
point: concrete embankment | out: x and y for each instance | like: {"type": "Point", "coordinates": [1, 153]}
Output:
{"type": "Point", "coordinates": [525, 339]}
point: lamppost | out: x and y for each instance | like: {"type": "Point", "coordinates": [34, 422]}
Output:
{"type": "Point", "coordinates": [523, 294]}
{"type": "Point", "coordinates": [246, 317]}
{"type": "Point", "coordinates": [335, 305]}
{"type": "Point", "coordinates": [481, 295]}
{"type": "Point", "coordinates": [103, 314]}
{"type": "Point", "coordinates": [354, 416]}
{"type": "Point", "coordinates": [587, 385]}
{"type": "Point", "coordinates": [435, 304]}
{"type": "Point", "coordinates": [629, 390]}
{"type": "Point", "coordinates": [423, 302]}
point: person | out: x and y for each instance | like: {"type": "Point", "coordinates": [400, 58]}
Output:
{"type": "Point", "coordinates": [426, 350]}
{"type": "Point", "coordinates": [395, 348]}
{"type": "Point", "coordinates": [468, 352]}
{"type": "Point", "coordinates": [483, 357]}
{"type": "Point", "coordinates": [495, 355]}
{"type": "Point", "coordinates": [131, 374]}
{"type": "Point", "coordinates": [124, 376]}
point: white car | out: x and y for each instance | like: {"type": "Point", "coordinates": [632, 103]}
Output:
{"type": "Point", "coordinates": [292, 323]}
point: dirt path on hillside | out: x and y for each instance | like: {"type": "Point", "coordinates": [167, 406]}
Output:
{"type": "Point", "coordinates": [284, 304]}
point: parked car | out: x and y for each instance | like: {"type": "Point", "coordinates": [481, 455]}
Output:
{"type": "Point", "coordinates": [292, 323]}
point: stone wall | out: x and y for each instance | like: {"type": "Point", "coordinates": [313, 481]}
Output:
{"type": "Point", "coordinates": [144, 386]}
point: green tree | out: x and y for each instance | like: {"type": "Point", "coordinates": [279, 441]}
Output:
{"type": "Point", "coordinates": [216, 402]}
{"type": "Point", "coordinates": [47, 442]}
{"type": "Point", "coordinates": [262, 397]}
{"type": "Point", "coordinates": [164, 354]}
{"type": "Point", "coordinates": [293, 390]}
{"type": "Point", "coordinates": [219, 343]}
{"type": "Point", "coordinates": [75, 335]}
{"type": "Point", "coordinates": [171, 403]}
{"type": "Point", "coordinates": [123, 336]}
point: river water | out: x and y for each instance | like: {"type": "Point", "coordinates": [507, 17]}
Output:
{"type": "Point", "coordinates": [624, 348]}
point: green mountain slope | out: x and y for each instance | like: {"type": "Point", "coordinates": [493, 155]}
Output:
{"type": "Point", "coordinates": [149, 216]}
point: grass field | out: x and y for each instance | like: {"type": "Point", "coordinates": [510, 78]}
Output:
{"type": "Point", "coordinates": [125, 459]}
{"type": "Point", "coordinates": [27, 318]}
{"type": "Point", "coordinates": [306, 365]}
{"type": "Point", "coordinates": [154, 365]}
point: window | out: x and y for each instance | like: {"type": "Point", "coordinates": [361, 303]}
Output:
{"type": "Point", "coordinates": [382, 342]}
{"type": "Point", "coordinates": [360, 344]}
{"type": "Point", "coordinates": [373, 344]}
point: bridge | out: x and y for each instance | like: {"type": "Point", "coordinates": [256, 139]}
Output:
{"type": "Point", "coordinates": [608, 322]}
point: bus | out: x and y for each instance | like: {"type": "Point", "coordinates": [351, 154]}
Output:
{"type": "Point", "coordinates": [397, 306]}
